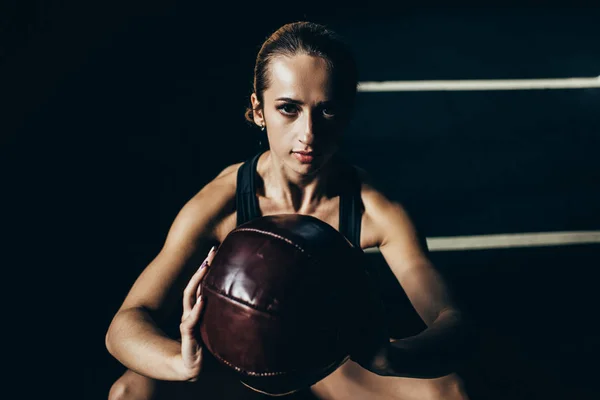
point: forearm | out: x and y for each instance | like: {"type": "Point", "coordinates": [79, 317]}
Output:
{"type": "Point", "coordinates": [436, 351]}
{"type": "Point", "coordinates": [134, 340]}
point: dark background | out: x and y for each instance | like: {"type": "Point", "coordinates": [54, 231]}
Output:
{"type": "Point", "coordinates": [114, 114]}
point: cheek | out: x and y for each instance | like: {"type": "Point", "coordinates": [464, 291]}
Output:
{"type": "Point", "coordinates": [281, 130]}
{"type": "Point", "coordinates": [278, 137]}
{"type": "Point", "coordinates": [277, 123]}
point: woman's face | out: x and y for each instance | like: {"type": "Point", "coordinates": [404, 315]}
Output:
{"type": "Point", "coordinates": [299, 113]}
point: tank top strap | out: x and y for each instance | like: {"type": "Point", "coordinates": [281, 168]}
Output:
{"type": "Point", "coordinates": [351, 207]}
{"type": "Point", "coordinates": [245, 195]}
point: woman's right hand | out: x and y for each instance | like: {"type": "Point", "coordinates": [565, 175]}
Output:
{"type": "Point", "coordinates": [191, 346]}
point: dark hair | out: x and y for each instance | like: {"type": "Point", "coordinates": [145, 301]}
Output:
{"type": "Point", "coordinates": [315, 40]}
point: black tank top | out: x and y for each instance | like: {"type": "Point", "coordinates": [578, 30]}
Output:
{"type": "Point", "coordinates": [351, 207]}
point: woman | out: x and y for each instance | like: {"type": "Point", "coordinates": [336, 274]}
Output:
{"type": "Point", "coordinates": [305, 83]}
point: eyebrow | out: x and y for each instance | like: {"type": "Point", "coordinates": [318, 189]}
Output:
{"type": "Point", "coordinates": [290, 100]}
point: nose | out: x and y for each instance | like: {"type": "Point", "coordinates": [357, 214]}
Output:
{"type": "Point", "coordinates": [307, 137]}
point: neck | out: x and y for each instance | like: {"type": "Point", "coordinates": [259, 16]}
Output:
{"type": "Point", "coordinates": [300, 193]}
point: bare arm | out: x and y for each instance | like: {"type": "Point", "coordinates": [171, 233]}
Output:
{"type": "Point", "coordinates": [447, 339]}
{"type": "Point", "coordinates": [134, 337]}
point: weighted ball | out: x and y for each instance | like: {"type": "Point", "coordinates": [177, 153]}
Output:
{"type": "Point", "coordinates": [280, 297]}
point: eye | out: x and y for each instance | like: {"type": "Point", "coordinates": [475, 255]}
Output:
{"type": "Point", "coordinates": [288, 109]}
{"type": "Point", "coordinates": [329, 112]}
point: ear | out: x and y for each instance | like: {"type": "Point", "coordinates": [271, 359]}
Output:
{"type": "Point", "coordinates": [257, 110]}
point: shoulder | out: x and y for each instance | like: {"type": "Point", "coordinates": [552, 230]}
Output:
{"type": "Point", "coordinates": [229, 172]}
{"type": "Point", "coordinates": [375, 200]}
{"type": "Point", "coordinates": [204, 212]}
{"type": "Point", "coordinates": [219, 190]}
{"type": "Point", "coordinates": [383, 215]}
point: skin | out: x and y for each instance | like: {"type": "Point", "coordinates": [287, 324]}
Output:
{"type": "Point", "coordinates": [299, 112]}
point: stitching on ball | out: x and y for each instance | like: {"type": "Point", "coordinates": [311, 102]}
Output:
{"type": "Point", "coordinates": [288, 241]}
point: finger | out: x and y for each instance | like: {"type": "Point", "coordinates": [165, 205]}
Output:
{"type": "Point", "coordinates": [192, 319]}
{"type": "Point", "coordinates": [190, 291]}
{"type": "Point", "coordinates": [211, 255]}
{"type": "Point", "coordinates": [207, 263]}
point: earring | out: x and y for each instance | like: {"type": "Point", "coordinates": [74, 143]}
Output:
{"type": "Point", "coordinates": [262, 137]}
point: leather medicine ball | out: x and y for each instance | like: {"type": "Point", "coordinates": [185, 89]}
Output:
{"type": "Point", "coordinates": [279, 296]}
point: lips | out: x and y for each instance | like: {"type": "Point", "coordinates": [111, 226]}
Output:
{"type": "Point", "coordinates": [305, 157]}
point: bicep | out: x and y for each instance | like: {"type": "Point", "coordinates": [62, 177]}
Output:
{"type": "Point", "coordinates": [405, 251]}
{"type": "Point", "coordinates": [188, 241]}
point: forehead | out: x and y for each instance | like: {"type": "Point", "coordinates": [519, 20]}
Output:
{"type": "Point", "coordinates": [301, 76]}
